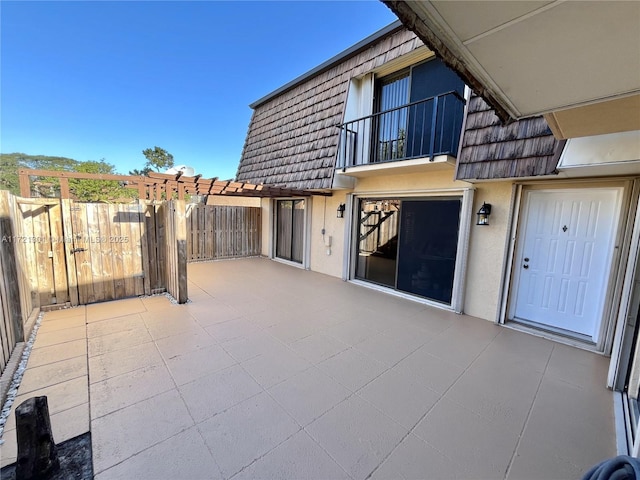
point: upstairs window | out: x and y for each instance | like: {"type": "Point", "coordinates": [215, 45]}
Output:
{"type": "Point", "coordinates": [392, 93]}
{"type": "Point", "coordinates": [435, 114]}
{"type": "Point", "coordinates": [417, 112]}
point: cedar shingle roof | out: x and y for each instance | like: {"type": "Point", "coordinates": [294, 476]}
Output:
{"type": "Point", "coordinates": [524, 148]}
{"type": "Point", "coordinates": [293, 136]}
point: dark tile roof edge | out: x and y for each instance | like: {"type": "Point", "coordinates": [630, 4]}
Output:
{"type": "Point", "coordinates": [349, 52]}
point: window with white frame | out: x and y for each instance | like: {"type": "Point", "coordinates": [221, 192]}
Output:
{"type": "Point", "coordinates": [415, 112]}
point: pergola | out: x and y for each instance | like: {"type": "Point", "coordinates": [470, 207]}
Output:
{"type": "Point", "coordinates": [159, 186]}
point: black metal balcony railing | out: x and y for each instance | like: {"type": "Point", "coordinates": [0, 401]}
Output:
{"type": "Point", "coordinates": [420, 129]}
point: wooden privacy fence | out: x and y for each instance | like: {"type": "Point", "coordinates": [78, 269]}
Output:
{"type": "Point", "coordinates": [82, 253]}
{"type": "Point", "coordinates": [217, 232]}
{"type": "Point", "coordinates": [56, 252]}
{"type": "Point", "coordinates": [59, 251]}
{"type": "Point", "coordinates": [13, 301]}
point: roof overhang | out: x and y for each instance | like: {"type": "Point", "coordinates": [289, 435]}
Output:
{"type": "Point", "coordinates": [576, 62]}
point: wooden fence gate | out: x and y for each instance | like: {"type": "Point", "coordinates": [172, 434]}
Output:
{"type": "Point", "coordinates": [81, 253]}
{"type": "Point", "coordinates": [39, 244]}
{"type": "Point", "coordinates": [56, 252]}
{"type": "Point", "coordinates": [104, 250]}
{"type": "Point", "coordinates": [84, 253]}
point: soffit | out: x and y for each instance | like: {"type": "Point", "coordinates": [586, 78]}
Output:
{"type": "Point", "coordinates": [619, 115]}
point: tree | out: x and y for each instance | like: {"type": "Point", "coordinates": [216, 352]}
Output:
{"type": "Point", "coordinates": [82, 190]}
{"type": "Point", "coordinates": [10, 163]}
{"type": "Point", "coordinates": [99, 190]}
{"type": "Point", "coordinates": [158, 158]}
{"type": "Point", "coordinates": [143, 172]}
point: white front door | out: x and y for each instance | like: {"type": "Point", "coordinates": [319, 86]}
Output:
{"type": "Point", "coordinates": [564, 260]}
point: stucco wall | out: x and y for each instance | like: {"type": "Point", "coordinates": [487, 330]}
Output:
{"type": "Point", "coordinates": [267, 219]}
{"type": "Point", "coordinates": [487, 245]}
{"type": "Point", "coordinates": [410, 182]}
{"type": "Point", "coordinates": [326, 259]}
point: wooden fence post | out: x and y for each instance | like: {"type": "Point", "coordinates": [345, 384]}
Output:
{"type": "Point", "coordinates": [25, 186]}
{"type": "Point", "coordinates": [145, 243]}
{"type": "Point", "coordinates": [176, 249]}
{"type": "Point", "coordinates": [37, 453]}
{"type": "Point", "coordinates": [58, 250]}
{"type": "Point", "coordinates": [68, 243]}
{"type": "Point", "coordinates": [180, 220]}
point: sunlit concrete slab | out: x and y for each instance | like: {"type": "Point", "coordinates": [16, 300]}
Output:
{"type": "Point", "coordinates": [277, 372]}
{"type": "Point", "coordinates": [57, 368]}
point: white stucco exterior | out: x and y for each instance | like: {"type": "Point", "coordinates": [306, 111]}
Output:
{"type": "Point", "coordinates": [486, 248]}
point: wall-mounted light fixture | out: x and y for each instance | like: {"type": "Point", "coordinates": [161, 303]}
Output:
{"type": "Point", "coordinates": [483, 214]}
{"type": "Point", "coordinates": [340, 211]}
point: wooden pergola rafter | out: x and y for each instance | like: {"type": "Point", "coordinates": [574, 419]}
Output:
{"type": "Point", "coordinates": [155, 186]}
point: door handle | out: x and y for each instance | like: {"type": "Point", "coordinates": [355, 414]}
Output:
{"type": "Point", "coordinates": [525, 266]}
{"type": "Point", "coordinates": [78, 250]}
{"type": "Point", "coordinates": [526, 259]}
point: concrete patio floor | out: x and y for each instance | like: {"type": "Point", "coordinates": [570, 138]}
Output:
{"type": "Point", "coordinates": [276, 372]}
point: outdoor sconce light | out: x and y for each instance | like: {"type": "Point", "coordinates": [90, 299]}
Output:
{"type": "Point", "coordinates": [483, 214]}
{"type": "Point", "coordinates": [340, 211]}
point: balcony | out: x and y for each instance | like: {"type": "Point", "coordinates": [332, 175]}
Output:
{"type": "Point", "coordinates": [426, 131]}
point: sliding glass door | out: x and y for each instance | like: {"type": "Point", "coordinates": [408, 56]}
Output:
{"type": "Point", "coordinates": [290, 230]}
{"type": "Point", "coordinates": [428, 246]}
{"type": "Point", "coordinates": [378, 241]}
{"type": "Point", "coordinates": [409, 245]}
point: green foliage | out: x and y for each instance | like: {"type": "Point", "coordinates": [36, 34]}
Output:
{"type": "Point", "coordinates": [99, 190]}
{"type": "Point", "coordinates": [82, 190]}
{"type": "Point", "coordinates": [158, 158]}
{"type": "Point", "coordinates": [143, 171]}
{"type": "Point", "coordinates": [393, 148]}
{"type": "Point", "coordinates": [44, 162]}
{"type": "Point", "coordinates": [10, 163]}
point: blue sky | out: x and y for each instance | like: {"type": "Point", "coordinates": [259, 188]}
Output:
{"type": "Point", "coordinates": [105, 80]}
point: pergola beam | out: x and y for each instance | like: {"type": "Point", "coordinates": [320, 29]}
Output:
{"type": "Point", "coordinates": [154, 185]}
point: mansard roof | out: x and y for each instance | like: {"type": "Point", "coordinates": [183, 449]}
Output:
{"type": "Point", "coordinates": [293, 134]}
{"type": "Point", "coordinates": [491, 150]}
